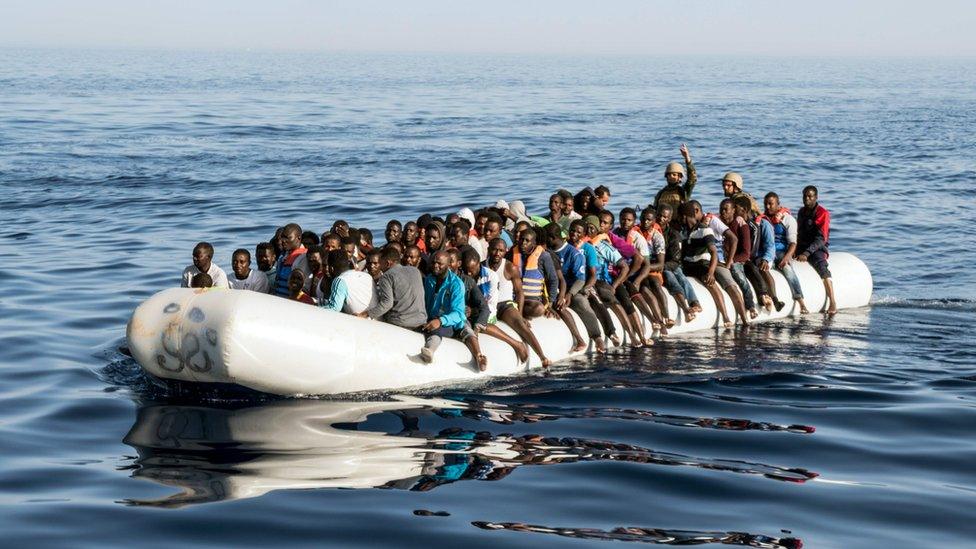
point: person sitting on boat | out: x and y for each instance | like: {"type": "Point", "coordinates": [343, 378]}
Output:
{"type": "Point", "coordinates": [510, 295]}
{"type": "Point", "coordinates": [246, 278]}
{"type": "Point", "coordinates": [555, 215]}
{"type": "Point", "coordinates": [601, 198]}
{"type": "Point", "coordinates": [606, 283]}
{"type": "Point", "coordinates": [444, 300]}
{"type": "Point", "coordinates": [309, 239]}
{"type": "Point", "coordinates": [399, 293]}
{"type": "Point", "coordinates": [784, 234]}
{"type": "Point", "coordinates": [700, 259]}
{"type": "Point", "coordinates": [203, 263]}
{"type": "Point", "coordinates": [813, 240]}
{"type": "Point", "coordinates": [578, 239]}
{"type": "Point", "coordinates": [265, 254]}
{"type": "Point", "coordinates": [316, 272]}
{"type": "Point", "coordinates": [540, 285]}
{"type": "Point", "coordinates": [675, 194]}
{"type": "Point", "coordinates": [735, 260]}
{"type": "Point", "coordinates": [637, 283]}
{"type": "Point", "coordinates": [762, 256]}
{"type": "Point", "coordinates": [481, 294]}
{"type": "Point", "coordinates": [373, 264]}
{"type": "Point", "coordinates": [349, 244]}
{"type": "Point", "coordinates": [413, 257]}
{"type": "Point", "coordinates": [340, 227]}
{"type": "Point", "coordinates": [292, 257]}
{"type": "Point", "coordinates": [675, 280]}
{"type": "Point", "coordinates": [393, 232]}
{"type": "Point", "coordinates": [574, 272]}
{"type": "Point", "coordinates": [201, 280]}
{"type": "Point", "coordinates": [619, 273]}
{"type": "Point", "coordinates": [296, 281]}
{"type": "Point", "coordinates": [352, 291]}
{"type": "Point", "coordinates": [559, 305]}
{"type": "Point", "coordinates": [653, 286]}
{"type": "Point", "coordinates": [331, 242]}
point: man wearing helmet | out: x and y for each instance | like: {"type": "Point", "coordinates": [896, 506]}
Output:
{"type": "Point", "coordinates": [732, 187]}
{"type": "Point", "coordinates": [675, 194]}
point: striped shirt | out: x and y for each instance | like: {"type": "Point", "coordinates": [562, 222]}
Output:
{"type": "Point", "coordinates": [695, 244]}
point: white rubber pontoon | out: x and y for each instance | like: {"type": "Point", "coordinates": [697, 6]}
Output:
{"type": "Point", "coordinates": [283, 347]}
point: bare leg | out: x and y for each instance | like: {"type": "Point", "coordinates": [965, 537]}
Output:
{"type": "Point", "coordinates": [719, 303]}
{"type": "Point", "coordinates": [771, 283]}
{"type": "Point", "coordinates": [602, 314]}
{"type": "Point", "coordinates": [651, 303]}
{"type": "Point", "coordinates": [738, 303]}
{"type": "Point", "coordinates": [521, 351]}
{"type": "Point", "coordinates": [831, 302]}
{"type": "Point", "coordinates": [650, 314]}
{"type": "Point", "coordinates": [513, 318]}
{"type": "Point", "coordinates": [662, 301]}
{"type": "Point", "coordinates": [622, 317]}
{"type": "Point", "coordinates": [475, 348]}
{"type": "Point", "coordinates": [533, 309]}
{"type": "Point", "coordinates": [578, 343]}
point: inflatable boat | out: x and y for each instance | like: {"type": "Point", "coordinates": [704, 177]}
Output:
{"type": "Point", "coordinates": [283, 347]}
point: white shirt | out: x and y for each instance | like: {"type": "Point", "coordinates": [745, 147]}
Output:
{"type": "Point", "coordinates": [256, 281]}
{"type": "Point", "coordinates": [362, 291]}
{"type": "Point", "coordinates": [719, 229]}
{"type": "Point", "coordinates": [216, 273]}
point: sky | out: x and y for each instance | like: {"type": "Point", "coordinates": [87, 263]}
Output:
{"type": "Point", "coordinates": [936, 28]}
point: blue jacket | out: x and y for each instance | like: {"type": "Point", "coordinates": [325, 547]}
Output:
{"type": "Point", "coordinates": [764, 246]}
{"type": "Point", "coordinates": [446, 303]}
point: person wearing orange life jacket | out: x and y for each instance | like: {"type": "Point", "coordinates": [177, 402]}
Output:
{"type": "Point", "coordinates": [640, 269]}
{"type": "Point", "coordinates": [292, 258]}
{"type": "Point", "coordinates": [540, 284]}
{"type": "Point", "coordinates": [653, 286]}
{"type": "Point", "coordinates": [784, 233]}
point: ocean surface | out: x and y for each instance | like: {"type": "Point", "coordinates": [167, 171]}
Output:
{"type": "Point", "coordinates": [856, 431]}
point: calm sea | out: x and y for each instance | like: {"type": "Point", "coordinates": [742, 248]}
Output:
{"type": "Point", "coordinates": [853, 432]}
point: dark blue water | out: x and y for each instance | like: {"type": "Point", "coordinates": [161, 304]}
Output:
{"type": "Point", "coordinates": [851, 432]}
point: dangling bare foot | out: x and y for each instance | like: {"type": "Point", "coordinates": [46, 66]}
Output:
{"type": "Point", "coordinates": [615, 339]}
{"type": "Point", "coordinates": [522, 353]}
{"type": "Point", "coordinates": [601, 347]}
{"type": "Point", "coordinates": [579, 346]}
{"type": "Point", "coordinates": [482, 362]}
{"type": "Point", "coordinates": [546, 363]}
{"type": "Point", "coordinates": [753, 313]}
{"type": "Point", "coordinates": [648, 342]}
{"type": "Point", "coordinates": [696, 308]}
{"type": "Point", "coordinates": [669, 323]}
{"type": "Point", "coordinates": [689, 316]}
{"type": "Point", "coordinates": [664, 331]}
{"type": "Point", "coordinates": [767, 303]}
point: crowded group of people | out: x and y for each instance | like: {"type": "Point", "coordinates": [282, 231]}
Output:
{"type": "Point", "coordinates": [459, 275]}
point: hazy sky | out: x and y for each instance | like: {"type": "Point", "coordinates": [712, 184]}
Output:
{"type": "Point", "coordinates": [769, 27]}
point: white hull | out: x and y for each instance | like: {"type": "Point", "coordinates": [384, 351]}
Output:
{"type": "Point", "coordinates": [283, 347]}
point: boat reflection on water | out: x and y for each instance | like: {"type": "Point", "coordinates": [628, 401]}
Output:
{"type": "Point", "coordinates": [223, 452]}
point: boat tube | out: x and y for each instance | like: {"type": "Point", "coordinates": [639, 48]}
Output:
{"type": "Point", "coordinates": [283, 347]}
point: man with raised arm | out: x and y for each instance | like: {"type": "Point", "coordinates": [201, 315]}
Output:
{"type": "Point", "coordinates": [675, 194]}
